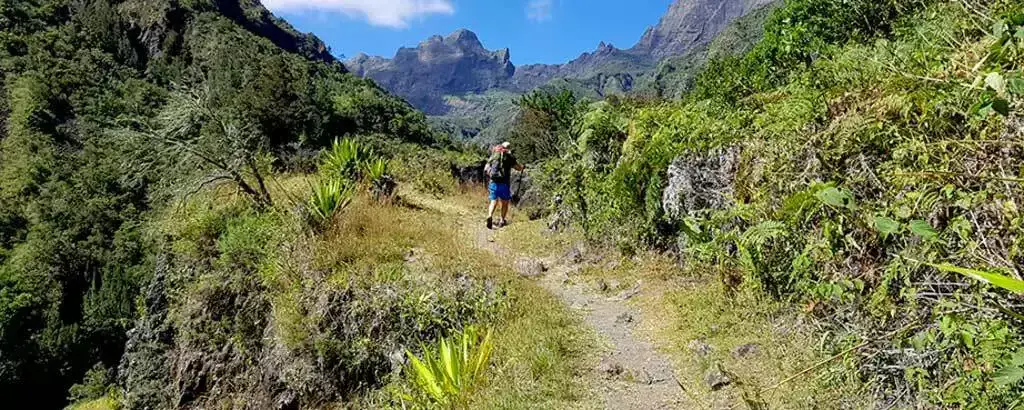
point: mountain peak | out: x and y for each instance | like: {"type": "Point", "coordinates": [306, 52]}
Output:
{"type": "Point", "coordinates": [463, 35]}
{"type": "Point", "coordinates": [689, 24]}
{"type": "Point", "coordinates": [439, 66]}
{"type": "Point", "coordinates": [465, 40]}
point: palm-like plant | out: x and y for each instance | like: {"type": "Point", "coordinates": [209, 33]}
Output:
{"type": "Point", "coordinates": [382, 185]}
{"type": "Point", "coordinates": [329, 197]}
{"type": "Point", "coordinates": [344, 159]}
{"type": "Point", "coordinates": [449, 376]}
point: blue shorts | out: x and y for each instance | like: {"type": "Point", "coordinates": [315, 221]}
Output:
{"type": "Point", "coordinates": [500, 191]}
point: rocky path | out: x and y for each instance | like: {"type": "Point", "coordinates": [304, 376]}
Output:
{"type": "Point", "coordinates": [632, 374]}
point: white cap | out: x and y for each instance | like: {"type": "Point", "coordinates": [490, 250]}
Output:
{"type": "Point", "coordinates": [506, 144]}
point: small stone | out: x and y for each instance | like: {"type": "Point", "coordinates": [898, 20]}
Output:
{"type": "Point", "coordinates": [747, 350]}
{"type": "Point", "coordinates": [629, 293]}
{"type": "Point", "coordinates": [614, 284]}
{"type": "Point", "coordinates": [611, 370]}
{"type": "Point", "coordinates": [529, 267]}
{"type": "Point", "coordinates": [575, 253]}
{"type": "Point", "coordinates": [625, 317]}
{"type": "Point", "coordinates": [700, 348]}
{"type": "Point", "coordinates": [716, 378]}
{"type": "Point", "coordinates": [601, 285]}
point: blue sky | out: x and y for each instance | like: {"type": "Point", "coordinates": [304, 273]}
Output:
{"type": "Point", "coordinates": [537, 31]}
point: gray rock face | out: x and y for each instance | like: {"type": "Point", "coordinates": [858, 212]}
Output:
{"type": "Point", "coordinates": [438, 67]}
{"type": "Point", "coordinates": [689, 24]}
{"type": "Point", "coordinates": [701, 181]}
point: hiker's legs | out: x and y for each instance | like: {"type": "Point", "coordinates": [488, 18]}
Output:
{"type": "Point", "coordinates": [490, 209]}
{"type": "Point", "coordinates": [504, 210]}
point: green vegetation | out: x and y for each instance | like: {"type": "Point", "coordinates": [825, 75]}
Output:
{"type": "Point", "coordinates": [199, 208]}
{"type": "Point", "coordinates": [858, 145]}
{"type": "Point", "coordinates": [449, 377]}
{"type": "Point", "coordinates": [112, 111]}
{"type": "Point", "coordinates": [674, 76]}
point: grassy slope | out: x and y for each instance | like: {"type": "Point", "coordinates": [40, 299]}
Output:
{"type": "Point", "coordinates": [894, 124]}
{"type": "Point", "coordinates": [681, 307]}
{"type": "Point", "coordinates": [420, 253]}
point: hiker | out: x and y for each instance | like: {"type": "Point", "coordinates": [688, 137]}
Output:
{"type": "Point", "coordinates": [499, 170]}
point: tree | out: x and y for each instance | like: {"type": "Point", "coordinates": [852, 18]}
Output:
{"type": "Point", "coordinates": [547, 124]}
{"type": "Point", "coordinates": [212, 144]}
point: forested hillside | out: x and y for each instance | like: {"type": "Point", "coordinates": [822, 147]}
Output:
{"type": "Point", "coordinates": [109, 110]}
{"type": "Point", "coordinates": [862, 162]}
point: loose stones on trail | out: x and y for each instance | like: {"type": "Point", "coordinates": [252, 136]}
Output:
{"type": "Point", "coordinates": [700, 348]}
{"type": "Point", "coordinates": [717, 378]}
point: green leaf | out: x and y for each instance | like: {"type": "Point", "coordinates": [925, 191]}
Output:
{"type": "Point", "coordinates": [1015, 86]}
{"type": "Point", "coordinates": [1009, 376]}
{"type": "Point", "coordinates": [1020, 33]}
{"type": "Point", "coordinates": [923, 229]}
{"type": "Point", "coordinates": [1000, 28]}
{"type": "Point", "coordinates": [1018, 358]}
{"type": "Point", "coordinates": [836, 197]}
{"type": "Point", "coordinates": [886, 226]}
{"type": "Point", "coordinates": [1001, 106]}
{"type": "Point", "coordinates": [1002, 281]}
{"type": "Point", "coordinates": [996, 82]}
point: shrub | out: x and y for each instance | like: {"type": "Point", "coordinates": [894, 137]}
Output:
{"type": "Point", "coordinates": [382, 184]}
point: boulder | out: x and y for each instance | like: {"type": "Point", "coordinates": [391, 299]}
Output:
{"type": "Point", "coordinates": [701, 181]}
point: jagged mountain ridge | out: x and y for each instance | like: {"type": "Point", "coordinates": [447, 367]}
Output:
{"type": "Point", "coordinates": [459, 64]}
{"type": "Point", "coordinates": [439, 66]}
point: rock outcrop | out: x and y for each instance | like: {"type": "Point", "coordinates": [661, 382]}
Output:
{"type": "Point", "coordinates": [701, 181]}
{"type": "Point", "coordinates": [438, 67]}
{"type": "Point", "coordinates": [689, 24]}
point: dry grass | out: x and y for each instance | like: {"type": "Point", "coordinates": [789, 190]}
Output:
{"type": "Point", "coordinates": [541, 348]}
{"type": "Point", "coordinates": [680, 307]}
{"type": "Point", "coordinates": [782, 346]}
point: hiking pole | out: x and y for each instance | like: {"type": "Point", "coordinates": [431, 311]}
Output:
{"type": "Point", "coordinates": [519, 187]}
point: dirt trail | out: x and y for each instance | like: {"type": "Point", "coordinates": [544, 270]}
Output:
{"type": "Point", "coordinates": [632, 374]}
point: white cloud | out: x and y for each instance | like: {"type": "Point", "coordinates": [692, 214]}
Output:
{"type": "Point", "coordinates": [540, 10]}
{"type": "Point", "coordinates": [388, 13]}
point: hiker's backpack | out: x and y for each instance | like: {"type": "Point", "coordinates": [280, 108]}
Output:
{"type": "Point", "coordinates": [496, 170]}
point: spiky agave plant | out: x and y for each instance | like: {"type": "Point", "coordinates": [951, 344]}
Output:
{"type": "Point", "coordinates": [328, 198]}
{"type": "Point", "coordinates": [448, 376]}
{"type": "Point", "coordinates": [344, 159]}
{"type": "Point", "coordinates": [382, 185]}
